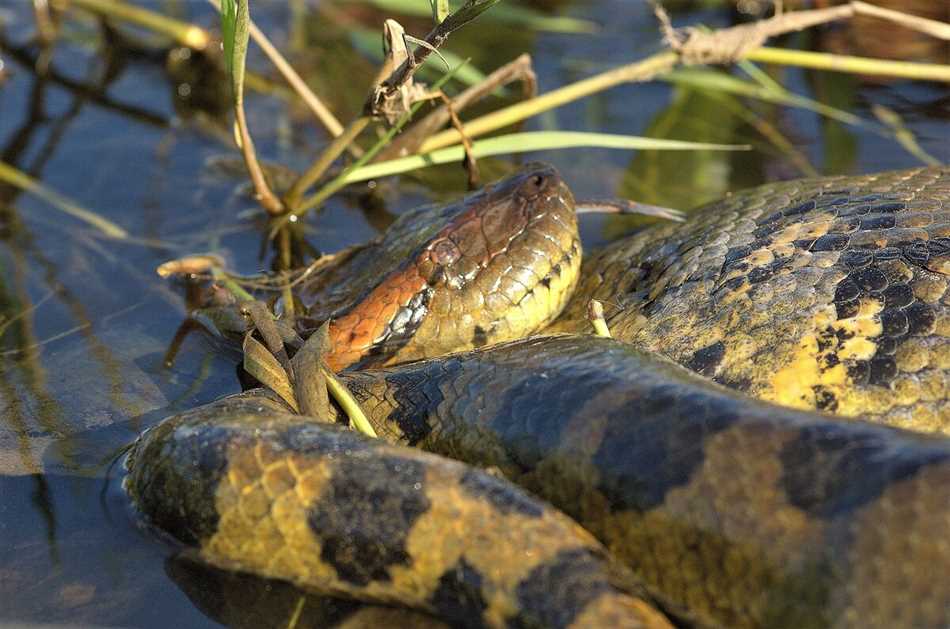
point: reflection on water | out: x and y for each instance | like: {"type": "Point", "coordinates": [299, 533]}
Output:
{"type": "Point", "coordinates": [239, 600]}
{"type": "Point", "coordinates": [124, 126]}
{"type": "Point", "coordinates": [80, 571]}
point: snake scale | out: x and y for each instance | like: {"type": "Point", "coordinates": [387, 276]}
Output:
{"type": "Point", "coordinates": [678, 500]}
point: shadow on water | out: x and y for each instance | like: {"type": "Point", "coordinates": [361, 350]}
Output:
{"type": "Point", "coordinates": [127, 128]}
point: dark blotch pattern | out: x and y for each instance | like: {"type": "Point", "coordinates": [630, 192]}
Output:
{"type": "Point", "coordinates": [825, 400]}
{"type": "Point", "coordinates": [458, 597]}
{"type": "Point", "coordinates": [178, 487]}
{"type": "Point", "coordinates": [801, 208]}
{"type": "Point", "coordinates": [830, 242]}
{"type": "Point", "coordinates": [706, 360]}
{"type": "Point", "coordinates": [872, 276]}
{"type": "Point", "coordinates": [366, 513]}
{"type": "Point", "coordinates": [921, 318]}
{"type": "Point", "coordinates": [873, 272]}
{"type": "Point", "coordinates": [525, 422]}
{"type": "Point", "coordinates": [830, 470]}
{"type": "Point", "coordinates": [866, 230]}
{"type": "Point", "coordinates": [555, 593]}
{"type": "Point", "coordinates": [417, 394]}
{"type": "Point", "coordinates": [869, 279]}
{"type": "Point", "coordinates": [502, 495]}
{"type": "Point", "coordinates": [639, 467]}
{"type": "Point", "coordinates": [878, 222]}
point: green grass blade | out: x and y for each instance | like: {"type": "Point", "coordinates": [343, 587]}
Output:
{"type": "Point", "coordinates": [235, 27]}
{"type": "Point", "coordinates": [759, 75]}
{"type": "Point", "coordinates": [349, 404]}
{"type": "Point", "coordinates": [525, 142]}
{"type": "Point", "coordinates": [440, 10]}
{"type": "Point", "coordinates": [466, 13]}
{"type": "Point", "coordinates": [228, 25]}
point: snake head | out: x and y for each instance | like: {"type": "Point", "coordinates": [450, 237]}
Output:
{"type": "Point", "coordinates": [495, 266]}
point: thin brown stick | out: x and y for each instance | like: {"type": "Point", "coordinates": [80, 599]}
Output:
{"type": "Point", "coordinates": [627, 207]}
{"type": "Point", "coordinates": [265, 196]}
{"type": "Point", "coordinates": [285, 264]}
{"type": "Point", "coordinates": [940, 30]}
{"type": "Point", "coordinates": [409, 142]}
{"type": "Point", "coordinates": [471, 166]}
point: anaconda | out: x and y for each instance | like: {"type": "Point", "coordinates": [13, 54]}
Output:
{"type": "Point", "coordinates": [727, 511]}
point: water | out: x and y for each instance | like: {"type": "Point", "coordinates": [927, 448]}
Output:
{"type": "Point", "coordinates": [85, 322]}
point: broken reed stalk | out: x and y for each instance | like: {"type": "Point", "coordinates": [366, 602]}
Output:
{"type": "Point", "coordinates": [436, 37]}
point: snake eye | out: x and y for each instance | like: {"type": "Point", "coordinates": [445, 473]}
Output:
{"type": "Point", "coordinates": [533, 185]}
{"type": "Point", "coordinates": [444, 251]}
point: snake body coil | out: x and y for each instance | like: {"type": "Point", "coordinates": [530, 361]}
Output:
{"type": "Point", "coordinates": [825, 293]}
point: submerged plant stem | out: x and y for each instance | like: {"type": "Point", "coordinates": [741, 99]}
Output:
{"type": "Point", "coordinates": [19, 179]}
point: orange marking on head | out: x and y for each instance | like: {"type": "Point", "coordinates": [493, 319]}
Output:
{"type": "Point", "coordinates": [353, 334]}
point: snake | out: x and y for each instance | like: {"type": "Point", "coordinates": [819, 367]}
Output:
{"type": "Point", "coordinates": [758, 445]}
